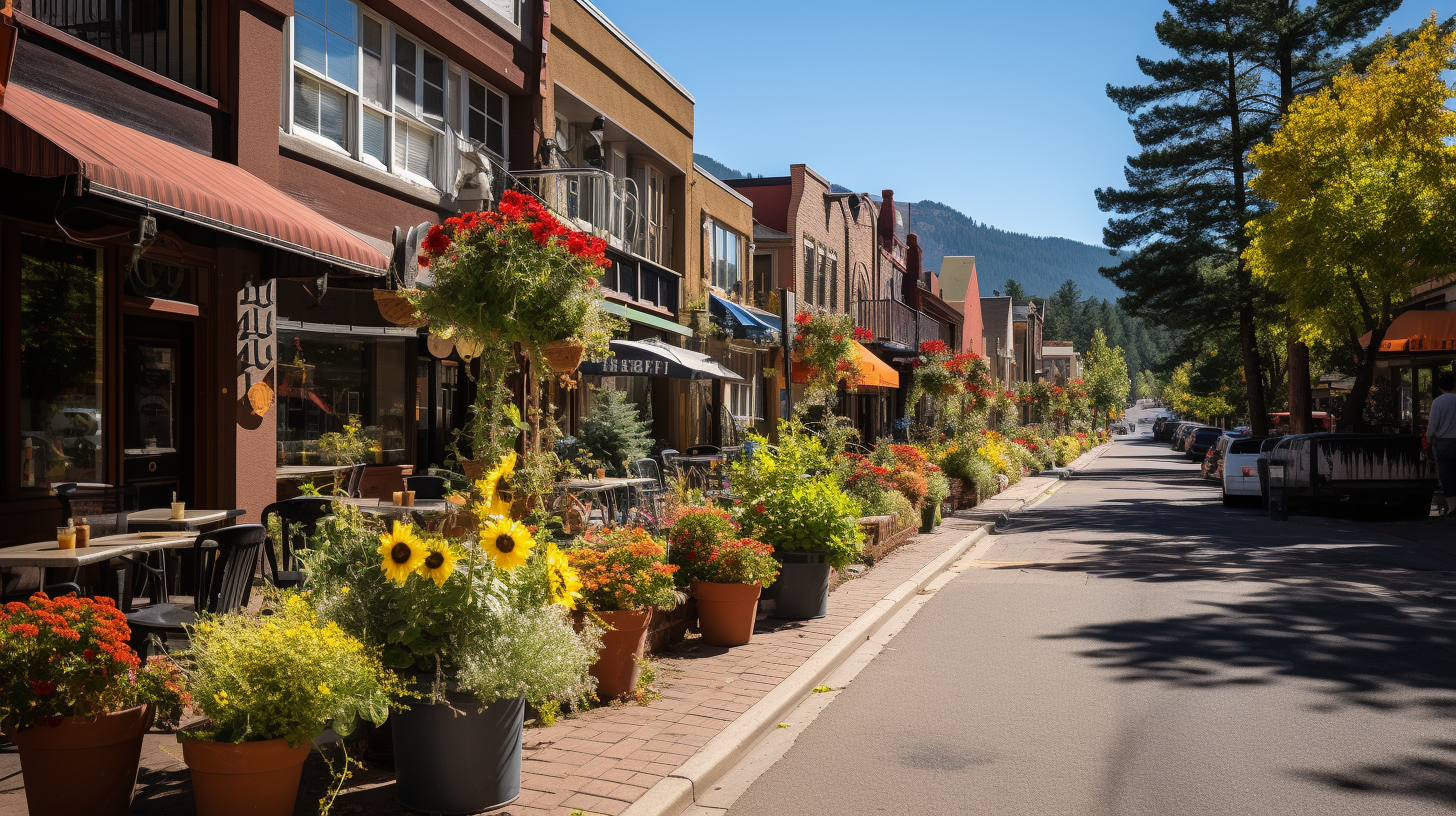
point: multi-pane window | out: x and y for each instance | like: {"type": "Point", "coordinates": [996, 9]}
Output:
{"type": "Point", "coordinates": [743, 400]}
{"type": "Point", "coordinates": [652, 200]}
{"type": "Point", "coordinates": [363, 87]}
{"type": "Point", "coordinates": [820, 279]}
{"type": "Point", "coordinates": [809, 269]}
{"type": "Point", "coordinates": [723, 257]}
{"type": "Point", "coordinates": [485, 117]}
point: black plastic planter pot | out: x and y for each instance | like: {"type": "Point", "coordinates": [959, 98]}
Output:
{"type": "Point", "coordinates": [802, 589]}
{"type": "Point", "coordinates": [927, 518]}
{"type": "Point", "coordinates": [461, 761]}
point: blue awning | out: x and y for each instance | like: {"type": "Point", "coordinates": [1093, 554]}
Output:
{"type": "Point", "coordinates": [746, 323]}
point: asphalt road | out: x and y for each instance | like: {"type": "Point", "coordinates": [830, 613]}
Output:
{"type": "Point", "coordinates": [1130, 646]}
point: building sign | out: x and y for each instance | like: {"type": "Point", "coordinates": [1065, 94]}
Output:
{"type": "Point", "coordinates": [257, 330]}
{"type": "Point", "coordinates": [641, 368]}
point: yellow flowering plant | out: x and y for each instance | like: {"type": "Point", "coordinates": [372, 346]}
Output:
{"type": "Point", "coordinates": [285, 675]}
{"type": "Point", "coordinates": [487, 610]}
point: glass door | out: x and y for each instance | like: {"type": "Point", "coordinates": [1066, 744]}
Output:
{"type": "Point", "coordinates": [156, 398]}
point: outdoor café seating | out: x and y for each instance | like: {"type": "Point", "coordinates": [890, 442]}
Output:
{"type": "Point", "coordinates": [226, 561]}
{"type": "Point", "coordinates": [297, 519]}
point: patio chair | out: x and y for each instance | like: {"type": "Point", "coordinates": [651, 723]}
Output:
{"type": "Point", "coordinates": [356, 478]}
{"type": "Point", "coordinates": [704, 450]}
{"type": "Point", "coordinates": [226, 561]}
{"type": "Point", "coordinates": [650, 496]}
{"type": "Point", "coordinates": [426, 487]}
{"type": "Point", "coordinates": [295, 516]}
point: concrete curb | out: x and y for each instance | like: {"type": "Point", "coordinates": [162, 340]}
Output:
{"type": "Point", "coordinates": [676, 792]}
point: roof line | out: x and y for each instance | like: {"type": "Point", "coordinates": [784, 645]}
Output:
{"type": "Point", "coordinates": [698, 168]}
{"type": "Point", "coordinates": [636, 49]}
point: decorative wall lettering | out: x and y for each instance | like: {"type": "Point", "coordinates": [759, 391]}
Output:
{"type": "Point", "coordinates": [257, 330]}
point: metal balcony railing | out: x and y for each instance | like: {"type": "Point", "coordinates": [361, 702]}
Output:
{"type": "Point", "coordinates": [893, 323]}
{"type": "Point", "coordinates": [168, 37]}
{"type": "Point", "coordinates": [592, 201]}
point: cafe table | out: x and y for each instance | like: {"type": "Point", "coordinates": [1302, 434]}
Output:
{"type": "Point", "coordinates": [606, 492]}
{"type": "Point", "coordinates": [48, 555]}
{"type": "Point", "coordinates": [161, 517]}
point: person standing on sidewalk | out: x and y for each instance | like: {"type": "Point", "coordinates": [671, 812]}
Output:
{"type": "Point", "coordinates": [1441, 434]}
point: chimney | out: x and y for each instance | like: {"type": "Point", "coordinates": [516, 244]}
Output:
{"type": "Point", "coordinates": [887, 219]}
{"type": "Point", "coordinates": [911, 283]}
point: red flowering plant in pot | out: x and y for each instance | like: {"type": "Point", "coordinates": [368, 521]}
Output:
{"type": "Point", "coordinates": [73, 694]}
{"type": "Point", "coordinates": [694, 534]}
{"type": "Point", "coordinates": [824, 343]}
{"type": "Point", "coordinates": [934, 376]}
{"type": "Point", "coordinates": [514, 279]}
{"type": "Point", "coordinates": [726, 581]}
{"type": "Point", "coordinates": [624, 576]}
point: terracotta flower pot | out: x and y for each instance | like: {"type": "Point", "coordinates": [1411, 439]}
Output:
{"type": "Point", "coordinates": [617, 669]}
{"type": "Point", "coordinates": [102, 751]}
{"type": "Point", "coordinates": [253, 778]}
{"type": "Point", "coordinates": [726, 612]}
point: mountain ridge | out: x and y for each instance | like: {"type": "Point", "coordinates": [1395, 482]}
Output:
{"type": "Point", "coordinates": [1039, 263]}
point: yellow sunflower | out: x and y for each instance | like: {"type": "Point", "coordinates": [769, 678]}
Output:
{"type": "Point", "coordinates": [439, 562]}
{"type": "Point", "coordinates": [495, 488]}
{"type": "Point", "coordinates": [565, 583]}
{"type": "Point", "coordinates": [508, 543]}
{"type": "Point", "coordinates": [401, 553]}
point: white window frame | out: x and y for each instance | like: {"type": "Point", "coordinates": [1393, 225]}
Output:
{"type": "Point", "coordinates": [717, 231]}
{"type": "Point", "coordinates": [505, 120]}
{"type": "Point", "coordinates": [455, 109]}
{"type": "Point", "coordinates": [745, 394]}
{"type": "Point", "coordinates": [810, 251]}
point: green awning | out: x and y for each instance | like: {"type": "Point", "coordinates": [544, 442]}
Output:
{"type": "Point", "coordinates": [646, 319]}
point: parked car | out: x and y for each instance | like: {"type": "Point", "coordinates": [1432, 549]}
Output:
{"type": "Point", "coordinates": [1239, 468]}
{"type": "Point", "coordinates": [1163, 428]}
{"type": "Point", "coordinates": [1180, 436]}
{"type": "Point", "coordinates": [1200, 440]}
{"type": "Point", "coordinates": [1212, 466]}
{"type": "Point", "coordinates": [1389, 471]}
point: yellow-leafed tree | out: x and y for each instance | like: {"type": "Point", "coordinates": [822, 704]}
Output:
{"type": "Point", "coordinates": [1363, 180]}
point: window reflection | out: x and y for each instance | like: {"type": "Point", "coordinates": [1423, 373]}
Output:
{"type": "Point", "coordinates": [325, 381]}
{"type": "Point", "coordinates": [60, 363]}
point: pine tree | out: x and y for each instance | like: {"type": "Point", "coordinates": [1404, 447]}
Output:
{"type": "Point", "coordinates": [1062, 311]}
{"type": "Point", "coordinates": [613, 433]}
{"type": "Point", "coordinates": [1015, 292]}
{"type": "Point", "coordinates": [1187, 199]}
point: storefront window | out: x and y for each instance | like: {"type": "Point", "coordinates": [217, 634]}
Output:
{"type": "Point", "coordinates": [328, 381]}
{"type": "Point", "coordinates": [61, 363]}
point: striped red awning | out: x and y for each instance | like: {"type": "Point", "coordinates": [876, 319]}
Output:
{"type": "Point", "coordinates": [42, 137]}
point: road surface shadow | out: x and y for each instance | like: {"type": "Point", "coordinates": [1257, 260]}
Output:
{"type": "Point", "coordinates": [1360, 612]}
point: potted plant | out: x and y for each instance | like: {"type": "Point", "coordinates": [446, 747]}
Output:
{"type": "Point", "coordinates": [75, 698]}
{"type": "Point", "coordinates": [726, 582]}
{"type": "Point", "coordinates": [624, 576]}
{"type": "Point", "coordinates": [825, 347]}
{"type": "Point", "coordinates": [512, 282]}
{"type": "Point", "coordinates": [792, 499]}
{"type": "Point", "coordinates": [479, 621]}
{"type": "Point", "coordinates": [268, 685]}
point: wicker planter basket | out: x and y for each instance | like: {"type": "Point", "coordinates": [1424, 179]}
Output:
{"type": "Point", "coordinates": [563, 356]}
{"type": "Point", "coordinates": [394, 308]}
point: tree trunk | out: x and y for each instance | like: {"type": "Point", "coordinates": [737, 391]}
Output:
{"type": "Point", "coordinates": [1299, 387]}
{"type": "Point", "coordinates": [1253, 371]}
{"type": "Point", "coordinates": [1352, 415]}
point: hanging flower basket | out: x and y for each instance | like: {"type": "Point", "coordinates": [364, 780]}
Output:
{"type": "Point", "coordinates": [563, 356]}
{"type": "Point", "coordinates": [394, 308]}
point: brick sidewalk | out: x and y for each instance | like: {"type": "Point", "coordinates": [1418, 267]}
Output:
{"type": "Point", "coordinates": [604, 760]}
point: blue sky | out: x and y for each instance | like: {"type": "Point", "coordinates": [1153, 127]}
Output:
{"type": "Point", "coordinates": [994, 107]}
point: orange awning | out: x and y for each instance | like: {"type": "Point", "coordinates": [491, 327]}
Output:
{"type": "Point", "coordinates": [1419, 331]}
{"type": "Point", "coordinates": [872, 371]}
{"type": "Point", "coordinates": [42, 137]}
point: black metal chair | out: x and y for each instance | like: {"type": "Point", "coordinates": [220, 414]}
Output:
{"type": "Point", "coordinates": [426, 487]}
{"type": "Point", "coordinates": [226, 561]}
{"type": "Point", "coordinates": [297, 517]}
{"type": "Point", "coordinates": [356, 478]}
{"type": "Point", "coordinates": [650, 497]}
